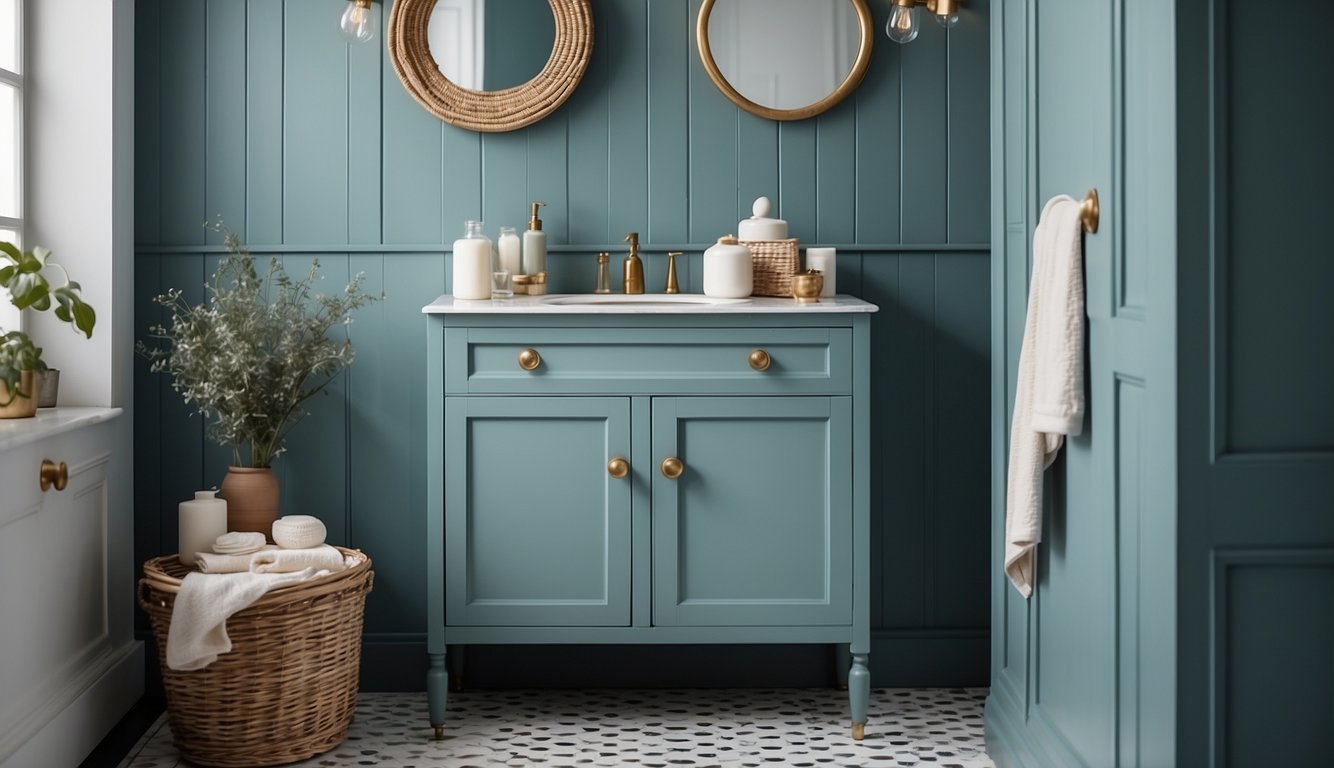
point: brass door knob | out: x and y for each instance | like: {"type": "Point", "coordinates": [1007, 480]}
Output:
{"type": "Point", "coordinates": [618, 467]}
{"type": "Point", "coordinates": [759, 359]}
{"type": "Point", "coordinates": [54, 474]}
{"type": "Point", "coordinates": [672, 467]}
{"type": "Point", "coordinates": [529, 359]}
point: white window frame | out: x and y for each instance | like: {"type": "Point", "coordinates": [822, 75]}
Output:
{"type": "Point", "coordinates": [10, 318]}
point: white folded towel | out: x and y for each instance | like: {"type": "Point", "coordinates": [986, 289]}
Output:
{"type": "Point", "coordinates": [198, 632]}
{"type": "Point", "coordinates": [212, 562]}
{"type": "Point", "coordinates": [238, 543]}
{"type": "Point", "coordinates": [299, 532]}
{"type": "Point", "coordinates": [1049, 393]}
{"type": "Point", "coordinates": [279, 560]}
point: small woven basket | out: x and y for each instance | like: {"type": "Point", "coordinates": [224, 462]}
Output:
{"type": "Point", "coordinates": [288, 688]}
{"type": "Point", "coordinates": [776, 261]}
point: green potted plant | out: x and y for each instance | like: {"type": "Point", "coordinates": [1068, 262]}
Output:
{"type": "Point", "coordinates": [247, 358]}
{"type": "Point", "coordinates": [21, 360]}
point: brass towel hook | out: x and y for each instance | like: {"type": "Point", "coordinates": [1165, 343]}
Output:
{"type": "Point", "coordinates": [1088, 212]}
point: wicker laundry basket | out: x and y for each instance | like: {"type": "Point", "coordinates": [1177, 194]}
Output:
{"type": "Point", "coordinates": [288, 688]}
{"type": "Point", "coordinates": [776, 261]}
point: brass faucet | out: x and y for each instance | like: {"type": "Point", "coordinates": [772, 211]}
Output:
{"type": "Point", "coordinates": [634, 268]}
{"type": "Point", "coordinates": [672, 287]}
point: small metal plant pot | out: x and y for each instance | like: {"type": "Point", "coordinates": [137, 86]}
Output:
{"type": "Point", "coordinates": [48, 384]}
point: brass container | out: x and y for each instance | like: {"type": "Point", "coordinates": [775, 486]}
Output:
{"type": "Point", "coordinates": [806, 286]}
{"type": "Point", "coordinates": [22, 407]}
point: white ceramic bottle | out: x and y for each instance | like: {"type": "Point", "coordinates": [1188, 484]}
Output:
{"type": "Point", "coordinates": [728, 269]}
{"type": "Point", "coordinates": [472, 264]}
{"type": "Point", "coordinates": [510, 250]}
{"type": "Point", "coordinates": [534, 244]}
{"type": "Point", "coordinates": [200, 522]}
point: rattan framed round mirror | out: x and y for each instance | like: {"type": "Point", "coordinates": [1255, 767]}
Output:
{"type": "Point", "coordinates": [785, 59]}
{"type": "Point", "coordinates": [506, 109]}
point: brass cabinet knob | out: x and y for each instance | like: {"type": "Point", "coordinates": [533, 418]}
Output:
{"type": "Point", "coordinates": [672, 467]}
{"type": "Point", "coordinates": [529, 359]}
{"type": "Point", "coordinates": [618, 467]}
{"type": "Point", "coordinates": [54, 474]}
{"type": "Point", "coordinates": [759, 360]}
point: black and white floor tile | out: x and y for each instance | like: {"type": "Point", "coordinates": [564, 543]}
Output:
{"type": "Point", "coordinates": [648, 729]}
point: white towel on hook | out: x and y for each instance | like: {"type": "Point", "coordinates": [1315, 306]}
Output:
{"type": "Point", "coordinates": [1049, 393]}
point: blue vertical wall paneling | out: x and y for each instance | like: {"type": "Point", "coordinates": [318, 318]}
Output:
{"type": "Point", "coordinates": [311, 147]}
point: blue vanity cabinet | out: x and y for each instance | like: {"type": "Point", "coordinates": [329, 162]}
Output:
{"type": "Point", "coordinates": [537, 532]}
{"type": "Point", "coordinates": [757, 528]}
{"type": "Point", "coordinates": [674, 477]}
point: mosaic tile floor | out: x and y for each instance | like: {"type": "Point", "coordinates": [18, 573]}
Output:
{"type": "Point", "coordinates": [647, 729]}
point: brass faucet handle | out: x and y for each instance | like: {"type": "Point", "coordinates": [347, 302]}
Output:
{"type": "Point", "coordinates": [672, 286]}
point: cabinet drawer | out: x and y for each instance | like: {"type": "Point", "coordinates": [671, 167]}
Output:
{"type": "Point", "coordinates": [648, 361]}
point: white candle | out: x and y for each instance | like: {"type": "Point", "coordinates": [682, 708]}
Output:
{"type": "Point", "coordinates": [510, 251]}
{"type": "Point", "coordinates": [200, 522]}
{"type": "Point", "coordinates": [823, 260]}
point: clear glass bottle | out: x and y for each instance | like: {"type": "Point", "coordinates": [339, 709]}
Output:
{"type": "Point", "coordinates": [472, 263]}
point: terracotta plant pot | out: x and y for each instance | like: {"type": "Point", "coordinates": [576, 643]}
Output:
{"type": "Point", "coordinates": [22, 407]}
{"type": "Point", "coordinates": [252, 499]}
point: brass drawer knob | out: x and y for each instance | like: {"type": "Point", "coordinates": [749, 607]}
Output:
{"type": "Point", "coordinates": [672, 467]}
{"type": "Point", "coordinates": [618, 467]}
{"type": "Point", "coordinates": [54, 474]}
{"type": "Point", "coordinates": [529, 359]}
{"type": "Point", "coordinates": [759, 359]}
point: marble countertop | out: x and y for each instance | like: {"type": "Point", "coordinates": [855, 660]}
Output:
{"type": "Point", "coordinates": [642, 304]}
{"type": "Point", "coordinates": [49, 422]}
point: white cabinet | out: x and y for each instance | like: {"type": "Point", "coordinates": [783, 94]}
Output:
{"type": "Point", "coordinates": [69, 664]}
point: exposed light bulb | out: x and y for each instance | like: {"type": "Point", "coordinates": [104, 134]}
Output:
{"type": "Point", "coordinates": [903, 24]}
{"type": "Point", "coordinates": [947, 20]}
{"type": "Point", "coordinates": [358, 22]}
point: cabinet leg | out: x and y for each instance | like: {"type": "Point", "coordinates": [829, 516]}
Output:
{"type": "Point", "coordinates": [437, 692]}
{"type": "Point", "coordinates": [859, 694]}
{"type": "Point", "coordinates": [842, 661]}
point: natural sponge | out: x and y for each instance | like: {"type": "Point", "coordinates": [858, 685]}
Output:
{"type": "Point", "coordinates": [298, 532]}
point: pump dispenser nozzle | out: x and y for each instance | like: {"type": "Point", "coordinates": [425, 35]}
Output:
{"type": "Point", "coordinates": [535, 223]}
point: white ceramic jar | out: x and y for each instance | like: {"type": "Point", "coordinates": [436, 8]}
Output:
{"type": "Point", "coordinates": [201, 521]}
{"type": "Point", "coordinates": [760, 226]}
{"type": "Point", "coordinates": [728, 269]}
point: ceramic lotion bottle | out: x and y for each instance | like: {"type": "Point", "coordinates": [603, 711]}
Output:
{"type": "Point", "coordinates": [472, 264]}
{"type": "Point", "coordinates": [202, 520]}
{"type": "Point", "coordinates": [534, 244]}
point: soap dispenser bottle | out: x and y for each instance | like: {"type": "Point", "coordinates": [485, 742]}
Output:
{"type": "Point", "coordinates": [535, 244]}
{"type": "Point", "coordinates": [634, 268]}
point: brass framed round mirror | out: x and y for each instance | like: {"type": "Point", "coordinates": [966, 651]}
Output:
{"type": "Point", "coordinates": [785, 59]}
{"type": "Point", "coordinates": [415, 24]}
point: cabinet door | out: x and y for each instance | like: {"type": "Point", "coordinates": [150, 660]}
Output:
{"type": "Point", "coordinates": [757, 529]}
{"type": "Point", "coordinates": [537, 532]}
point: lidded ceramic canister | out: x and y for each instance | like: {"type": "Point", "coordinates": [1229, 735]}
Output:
{"type": "Point", "coordinates": [728, 270]}
{"type": "Point", "coordinates": [760, 226]}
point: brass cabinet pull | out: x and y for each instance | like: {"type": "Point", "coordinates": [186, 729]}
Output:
{"type": "Point", "coordinates": [618, 467]}
{"type": "Point", "coordinates": [529, 359]}
{"type": "Point", "coordinates": [759, 359]}
{"type": "Point", "coordinates": [54, 474]}
{"type": "Point", "coordinates": [672, 467]}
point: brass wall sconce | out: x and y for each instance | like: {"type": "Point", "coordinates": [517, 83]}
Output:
{"type": "Point", "coordinates": [905, 20]}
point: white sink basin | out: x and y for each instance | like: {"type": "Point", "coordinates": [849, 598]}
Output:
{"type": "Point", "coordinates": [637, 300]}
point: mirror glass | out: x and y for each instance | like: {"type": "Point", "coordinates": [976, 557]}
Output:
{"type": "Point", "coordinates": [784, 54]}
{"type": "Point", "coordinates": [490, 45]}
